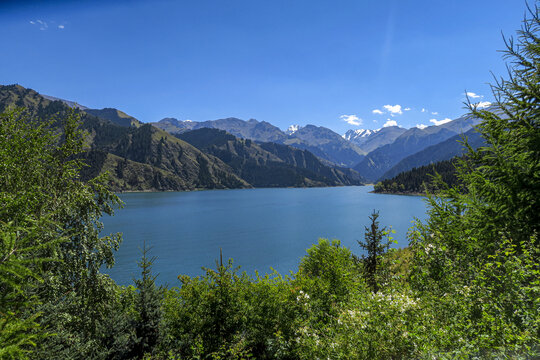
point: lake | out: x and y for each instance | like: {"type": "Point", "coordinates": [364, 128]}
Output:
{"type": "Point", "coordinates": [258, 228]}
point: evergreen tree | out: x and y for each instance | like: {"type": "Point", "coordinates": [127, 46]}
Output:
{"type": "Point", "coordinates": [376, 247]}
{"type": "Point", "coordinates": [505, 173]}
{"type": "Point", "coordinates": [147, 306]}
{"type": "Point", "coordinates": [481, 245]}
{"type": "Point", "coordinates": [19, 271]}
{"type": "Point", "coordinates": [431, 178]}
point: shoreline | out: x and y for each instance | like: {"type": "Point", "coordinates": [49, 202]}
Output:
{"type": "Point", "coordinates": [246, 188]}
{"type": "Point", "coordinates": [398, 193]}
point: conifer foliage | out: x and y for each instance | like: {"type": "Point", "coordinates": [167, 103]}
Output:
{"type": "Point", "coordinates": [148, 307]}
{"type": "Point", "coordinates": [505, 173]}
{"type": "Point", "coordinates": [468, 287]}
{"type": "Point", "coordinates": [51, 251]}
{"type": "Point", "coordinates": [376, 247]}
{"type": "Point", "coordinates": [481, 244]}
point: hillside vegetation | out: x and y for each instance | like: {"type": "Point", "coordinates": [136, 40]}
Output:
{"type": "Point", "coordinates": [141, 157]}
{"type": "Point", "coordinates": [468, 286]}
{"type": "Point", "coordinates": [445, 150]}
{"type": "Point", "coordinates": [269, 164]}
{"type": "Point", "coordinates": [422, 179]}
{"type": "Point", "coordinates": [168, 163]}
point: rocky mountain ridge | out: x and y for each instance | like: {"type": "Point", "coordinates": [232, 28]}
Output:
{"type": "Point", "coordinates": [374, 154]}
{"type": "Point", "coordinates": [323, 142]}
{"type": "Point", "coordinates": [139, 157]}
{"type": "Point", "coordinates": [413, 140]}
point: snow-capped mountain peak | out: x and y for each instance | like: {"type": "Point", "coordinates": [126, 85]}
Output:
{"type": "Point", "coordinates": [292, 129]}
{"type": "Point", "coordinates": [351, 135]}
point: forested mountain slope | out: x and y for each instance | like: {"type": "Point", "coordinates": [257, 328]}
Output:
{"type": "Point", "coordinates": [169, 163]}
{"type": "Point", "coordinates": [379, 161]}
{"type": "Point", "coordinates": [322, 142]}
{"type": "Point", "coordinates": [141, 157]}
{"type": "Point", "coordinates": [115, 116]}
{"type": "Point", "coordinates": [416, 180]}
{"type": "Point", "coordinates": [268, 164]}
{"type": "Point", "coordinates": [445, 150]}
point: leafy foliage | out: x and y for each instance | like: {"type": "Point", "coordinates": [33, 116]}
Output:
{"type": "Point", "coordinates": [49, 214]}
{"type": "Point", "coordinates": [19, 270]}
{"type": "Point", "coordinates": [468, 286]}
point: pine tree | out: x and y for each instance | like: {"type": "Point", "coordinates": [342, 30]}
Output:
{"type": "Point", "coordinates": [148, 307]}
{"type": "Point", "coordinates": [19, 271]}
{"type": "Point", "coordinates": [376, 247]}
{"type": "Point", "coordinates": [477, 255]}
{"type": "Point", "coordinates": [506, 172]}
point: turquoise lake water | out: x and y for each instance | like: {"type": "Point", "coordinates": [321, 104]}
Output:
{"type": "Point", "coordinates": [258, 228]}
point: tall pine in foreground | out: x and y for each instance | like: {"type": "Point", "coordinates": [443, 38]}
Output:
{"type": "Point", "coordinates": [147, 307]}
{"type": "Point", "coordinates": [504, 175]}
{"type": "Point", "coordinates": [376, 247]}
{"type": "Point", "coordinates": [481, 245]}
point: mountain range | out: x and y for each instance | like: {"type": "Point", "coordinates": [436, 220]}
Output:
{"type": "Point", "coordinates": [136, 158]}
{"type": "Point", "coordinates": [178, 155]}
{"type": "Point", "coordinates": [413, 140]}
{"type": "Point", "coordinates": [268, 164]}
{"type": "Point", "coordinates": [369, 140]}
{"type": "Point", "coordinates": [251, 129]}
{"type": "Point", "coordinates": [371, 153]}
{"type": "Point", "coordinates": [321, 141]}
{"type": "Point", "coordinates": [442, 151]}
{"type": "Point", "coordinates": [140, 156]}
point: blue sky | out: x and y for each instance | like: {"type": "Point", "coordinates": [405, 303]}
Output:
{"type": "Point", "coordinates": [327, 63]}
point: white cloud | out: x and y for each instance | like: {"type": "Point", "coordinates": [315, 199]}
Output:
{"type": "Point", "coordinates": [61, 26]}
{"type": "Point", "coordinates": [377, 111]}
{"type": "Point", "coordinates": [435, 113]}
{"type": "Point", "coordinates": [407, 109]}
{"type": "Point", "coordinates": [440, 122]}
{"type": "Point", "coordinates": [42, 24]}
{"type": "Point", "coordinates": [394, 109]}
{"type": "Point", "coordinates": [424, 110]}
{"type": "Point", "coordinates": [421, 126]}
{"type": "Point", "coordinates": [390, 123]}
{"type": "Point", "coordinates": [482, 104]}
{"type": "Point", "coordinates": [473, 95]}
{"type": "Point", "coordinates": [351, 119]}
